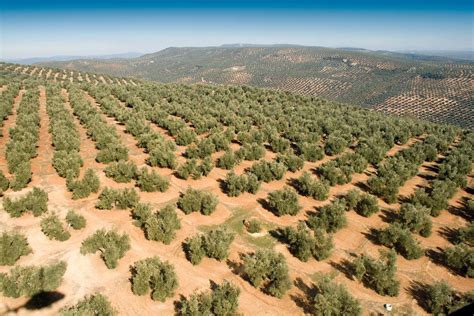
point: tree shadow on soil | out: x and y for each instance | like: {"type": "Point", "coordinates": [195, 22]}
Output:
{"type": "Point", "coordinates": [388, 215]}
{"type": "Point", "coordinates": [418, 290]}
{"type": "Point", "coordinates": [301, 300]}
{"type": "Point", "coordinates": [237, 267]}
{"type": "Point", "coordinates": [450, 234]}
{"type": "Point", "coordinates": [40, 301]}
{"type": "Point", "coordinates": [344, 266]}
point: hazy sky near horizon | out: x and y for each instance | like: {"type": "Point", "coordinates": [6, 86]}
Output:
{"type": "Point", "coordinates": [48, 28]}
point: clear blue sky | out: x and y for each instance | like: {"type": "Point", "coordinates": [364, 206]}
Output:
{"type": "Point", "coordinates": [47, 28]}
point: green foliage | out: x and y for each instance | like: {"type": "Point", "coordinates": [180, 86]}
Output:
{"type": "Point", "coordinates": [223, 300]}
{"type": "Point", "coordinates": [162, 157]}
{"type": "Point", "coordinates": [214, 244]}
{"type": "Point", "coordinates": [267, 269]}
{"type": "Point", "coordinates": [4, 183]}
{"type": "Point", "coordinates": [22, 143]}
{"type": "Point", "coordinates": [191, 168]}
{"type": "Point", "coordinates": [334, 145]}
{"type": "Point", "coordinates": [279, 144]}
{"type": "Point", "coordinates": [65, 137]}
{"type": "Point", "coordinates": [330, 298]}
{"type": "Point", "coordinates": [197, 201]}
{"type": "Point", "coordinates": [460, 258]}
{"type": "Point", "coordinates": [378, 275]}
{"type": "Point", "coordinates": [291, 161]}
{"type": "Point", "coordinates": [250, 152]}
{"type": "Point", "coordinates": [185, 136]}
{"type": "Point", "coordinates": [104, 135]}
{"type": "Point", "coordinates": [35, 201]}
{"type": "Point", "coordinates": [96, 304]}
{"type": "Point", "coordinates": [228, 160]}
{"type": "Point", "coordinates": [395, 236]}
{"type": "Point", "coordinates": [308, 186]}
{"type": "Point", "coordinates": [311, 152]}
{"type": "Point", "coordinates": [303, 243]}
{"type": "Point", "coordinates": [253, 226]}
{"type": "Point", "coordinates": [75, 220]}
{"type": "Point", "coordinates": [236, 185]}
{"type": "Point", "coordinates": [162, 225]}
{"type": "Point", "coordinates": [82, 188]}
{"type": "Point", "coordinates": [436, 196]}
{"type": "Point", "coordinates": [329, 218]}
{"type": "Point", "coordinates": [120, 198]}
{"type": "Point", "coordinates": [31, 280]}
{"type": "Point", "coordinates": [152, 274]}
{"type": "Point", "coordinates": [111, 245]}
{"type": "Point", "coordinates": [121, 171]}
{"type": "Point", "coordinates": [151, 181]}
{"type": "Point", "coordinates": [194, 249]}
{"type": "Point", "coordinates": [12, 246]}
{"type": "Point", "coordinates": [443, 300]}
{"type": "Point", "coordinates": [367, 205]}
{"type": "Point", "coordinates": [67, 164]}
{"type": "Point", "coordinates": [415, 218]}
{"type": "Point", "coordinates": [284, 202]}
{"type": "Point", "coordinates": [22, 177]}
{"type": "Point", "coordinates": [52, 227]}
{"type": "Point", "coordinates": [267, 171]}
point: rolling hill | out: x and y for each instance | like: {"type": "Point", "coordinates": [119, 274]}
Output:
{"type": "Point", "coordinates": [432, 88]}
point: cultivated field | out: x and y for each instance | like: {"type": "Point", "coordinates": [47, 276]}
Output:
{"type": "Point", "coordinates": [430, 88]}
{"type": "Point", "coordinates": [317, 186]}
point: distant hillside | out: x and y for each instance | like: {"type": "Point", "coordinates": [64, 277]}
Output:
{"type": "Point", "coordinates": [35, 60]}
{"type": "Point", "coordinates": [433, 88]}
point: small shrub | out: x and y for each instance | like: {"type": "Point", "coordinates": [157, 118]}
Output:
{"type": "Point", "coordinates": [330, 298]}
{"type": "Point", "coordinates": [223, 300]}
{"type": "Point", "coordinates": [416, 218]}
{"type": "Point", "coordinates": [151, 181]}
{"type": "Point", "coordinates": [96, 304]}
{"type": "Point", "coordinates": [12, 247]}
{"type": "Point", "coordinates": [162, 225]}
{"type": "Point", "coordinates": [111, 245]}
{"type": "Point", "coordinates": [367, 205]}
{"type": "Point", "coordinates": [460, 258]}
{"type": "Point", "coordinates": [31, 280]}
{"type": "Point", "coordinates": [443, 300]}
{"type": "Point", "coordinates": [303, 244]}
{"type": "Point", "coordinates": [121, 198]}
{"type": "Point", "coordinates": [253, 226]}
{"type": "Point", "coordinates": [307, 186]}
{"type": "Point", "coordinates": [214, 244]}
{"type": "Point", "coordinates": [329, 218]}
{"type": "Point", "coordinates": [152, 274]}
{"type": "Point", "coordinates": [268, 269]}
{"type": "Point", "coordinates": [197, 201]}
{"type": "Point", "coordinates": [52, 227]}
{"type": "Point", "coordinates": [378, 275]}
{"type": "Point", "coordinates": [4, 183]}
{"type": "Point", "coordinates": [267, 171]}
{"type": "Point", "coordinates": [34, 201]}
{"type": "Point", "coordinates": [284, 202]}
{"type": "Point", "coordinates": [75, 220]}
{"type": "Point", "coordinates": [291, 161]}
{"type": "Point", "coordinates": [83, 188]}
{"type": "Point", "coordinates": [228, 160]}
{"type": "Point", "coordinates": [121, 171]}
{"type": "Point", "coordinates": [402, 240]}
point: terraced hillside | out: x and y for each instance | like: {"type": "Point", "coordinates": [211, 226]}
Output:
{"type": "Point", "coordinates": [141, 198]}
{"type": "Point", "coordinates": [436, 89]}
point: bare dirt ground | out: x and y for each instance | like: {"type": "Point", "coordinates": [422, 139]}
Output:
{"type": "Point", "coordinates": [88, 274]}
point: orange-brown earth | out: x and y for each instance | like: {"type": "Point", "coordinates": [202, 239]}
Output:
{"type": "Point", "coordinates": [88, 274]}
